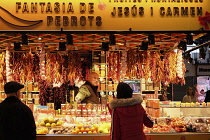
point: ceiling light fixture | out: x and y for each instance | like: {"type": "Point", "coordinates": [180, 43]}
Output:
{"type": "Point", "coordinates": [17, 46]}
{"type": "Point", "coordinates": [105, 46]}
{"type": "Point", "coordinates": [69, 39]}
{"type": "Point", "coordinates": [24, 39]}
{"type": "Point", "coordinates": [151, 39]}
{"type": "Point", "coordinates": [62, 46]}
{"type": "Point", "coordinates": [112, 39]}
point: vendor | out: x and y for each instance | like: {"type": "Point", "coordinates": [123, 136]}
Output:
{"type": "Point", "coordinates": [88, 91]}
{"type": "Point", "coordinates": [190, 96]}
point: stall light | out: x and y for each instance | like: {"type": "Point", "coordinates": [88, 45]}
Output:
{"type": "Point", "coordinates": [202, 53]}
{"type": "Point", "coordinates": [182, 45]}
{"type": "Point", "coordinates": [69, 39]}
{"type": "Point", "coordinates": [24, 39]}
{"type": "Point", "coordinates": [189, 59]}
{"type": "Point", "coordinates": [62, 46]}
{"type": "Point", "coordinates": [112, 39]}
{"type": "Point", "coordinates": [105, 46]}
{"type": "Point", "coordinates": [17, 46]}
{"type": "Point", "coordinates": [39, 38]}
{"type": "Point", "coordinates": [151, 39]}
{"type": "Point", "coordinates": [144, 45]}
{"type": "Point", "coordinates": [189, 39]}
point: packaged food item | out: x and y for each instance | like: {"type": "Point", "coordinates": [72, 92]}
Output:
{"type": "Point", "coordinates": [78, 113]}
{"type": "Point", "coordinates": [178, 104]}
{"type": "Point", "coordinates": [89, 112]}
{"type": "Point", "coordinates": [89, 106]}
{"type": "Point", "coordinates": [84, 113]}
{"type": "Point", "coordinates": [203, 104]}
{"type": "Point", "coordinates": [156, 112]}
{"type": "Point", "coordinates": [187, 104]}
{"type": "Point", "coordinates": [63, 106]}
{"type": "Point", "coordinates": [79, 106]}
{"type": "Point", "coordinates": [73, 112]}
{"type": "Point", "coordinates": [68, 112]}
{"type": "Point", "coordinates": [183, 104]}
{"type": "Point", "coordinates": [156, 103]}
{"type": "Point", "coordinates": [199, 120]}
{"type": "Point", "coordinates": [197, 104]}
{"type": "Point", "coordinates": [69, 106]}
{"type": "Point", "coordinates": [192, 104]}
{"type": "Point", "coordinates": [63, 112]}
{"type": "Point", "coordinates": [84, 107]}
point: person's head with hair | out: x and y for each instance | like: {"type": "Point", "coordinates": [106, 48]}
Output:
{"type": "Point", "coordinates": [190, 91]}
{"type": "Point", "coordinates": [202, 91]}
{"type": "Point", "coordinates": [93, 78]}
{"type": "Point", "coordinates": [124, 91]}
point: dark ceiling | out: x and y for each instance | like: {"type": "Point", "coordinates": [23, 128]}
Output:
{"type": "Point", "coordinates": [92, 41]}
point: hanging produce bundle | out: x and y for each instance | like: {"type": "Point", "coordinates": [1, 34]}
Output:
{"type": "Point", "coordinates": [166, 68]}
{"type": "Point", "coordinates": [2, 68]}
{"type": "Point", "coordinates": [49, 65]}
{"type": "Point", "coordinates": [157, 67]}
{"type": "Point", "coordinates": [7, 61]}
{"type": "Point", "coordinates": [42, 63]}
{"type": "Point", "coordinates": [139, 64]}
{"type": "Point", "coordinates": [35, 68]}
{"type": "Point", "coordinates": [53, 68]}
{"type": "Point", "coordinates": [113, 60]}
{"type": "Point", "coordinates": [16, 62]}
{"type": "Point", "coordinates": [60, 94]}
{"type": "Point", "coordinates": [180, 67]}
{"type": "Point", "coordinates": [74, 67]}
{"type": "Point", "coordinates": [131, 63]}
{"type": "Point", "coordinates": [46, 93]}
{"type": "Point", "coordinates": [146, 63]}
{"type": "Point", "coordinates": [85, 66]}
{"type": "Point", "coordinates": [29, 67]}
{"type": "Point", "coordinates": [64, 65]}
{"type": "Point", "coordinates": [123, 64]}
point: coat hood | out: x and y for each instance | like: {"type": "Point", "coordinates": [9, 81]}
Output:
{"type": "Point", "coordinates": [125, 102]}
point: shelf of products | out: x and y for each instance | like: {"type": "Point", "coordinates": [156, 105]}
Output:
{"type": "Point", "coordinates": [95, 119]}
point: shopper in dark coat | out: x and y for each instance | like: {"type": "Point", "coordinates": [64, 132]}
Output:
{"type": "Point", "coordinates": [207, 98]}
{"type": "Point", "coordinates": [16, 119]}
{"type": "Point", "coordinates": [128, 115]}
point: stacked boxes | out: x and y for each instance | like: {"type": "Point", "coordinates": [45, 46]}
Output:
{"type": "Point", "coordinates": [153, 107]}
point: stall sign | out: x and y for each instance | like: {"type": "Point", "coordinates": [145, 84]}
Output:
{"type": "Point", "coordinates": [104, 15]}
{"type": "Point", "coordinates": [203, 70]}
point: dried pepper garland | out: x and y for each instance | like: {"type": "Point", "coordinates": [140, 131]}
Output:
{"type": "Point", "coordinates": [2, 68]}
{"type": "Point", "coordinates": [74, 67]}
{"type": "Point", "coordinates": [8, 61]}
{"type": "Point", "coordinates": [35, 68]}
{"type": "Point", "coordinates": [149, 65]}
{"type": "Point", "coordinates": [114, 66]}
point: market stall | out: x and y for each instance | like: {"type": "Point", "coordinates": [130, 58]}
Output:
{"type": "Point", "coordinates": [51, 47]}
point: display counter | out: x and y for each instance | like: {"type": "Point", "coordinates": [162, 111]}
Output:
{"type": "Point", "coordinates": [151, 136]}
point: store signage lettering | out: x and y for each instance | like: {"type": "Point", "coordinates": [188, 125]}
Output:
{"type": "Point", "coordinates": [168, 1]}
{"type": "Point", "coordinates": [203, 70]}
{"type": "Point", "coordinates": [57, 8]}
{"type": "Point", "coordinates": [69, 19]}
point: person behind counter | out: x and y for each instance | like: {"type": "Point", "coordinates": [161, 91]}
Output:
{"type": "Point", "coordinates": [88, 91]}
{"type": "Point", "coordinates": [201, 96]}
{"type": "Point", "coordinates": [190, 96]}
{"type": "Point", "coordinates": [16, 119]}
{"type": "Point", "coordinates": [207, 98]}
{"type": "Point", "coordinates": [128, 115]}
